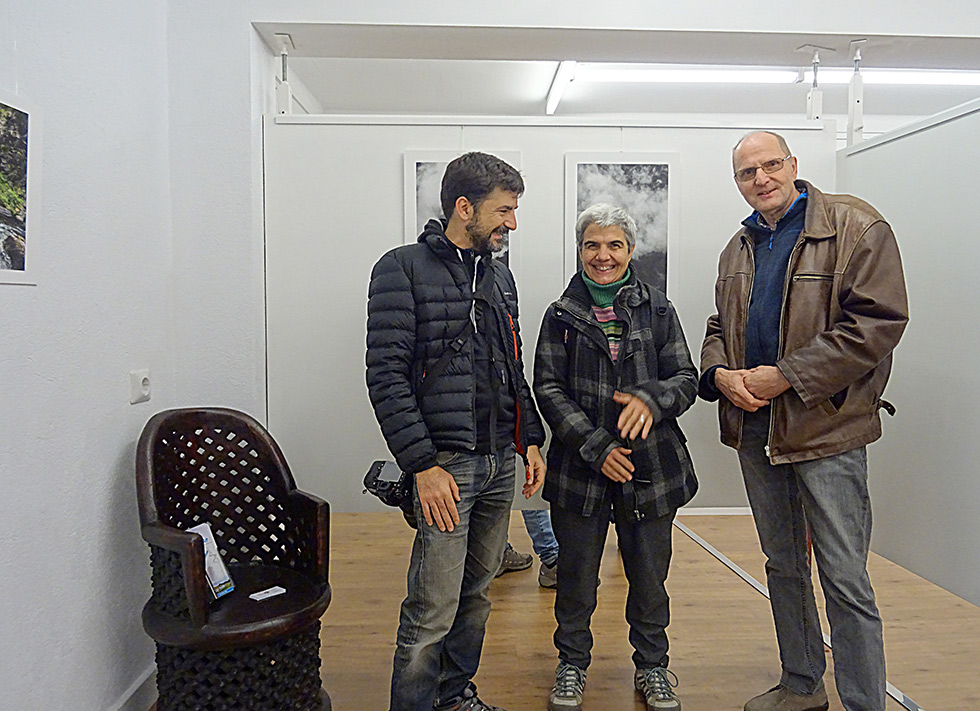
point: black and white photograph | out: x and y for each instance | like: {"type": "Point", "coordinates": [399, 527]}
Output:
{"type": "Point", "coordinates": [638, 183]}
{"type": "Point", "coordinates": [13, 193]}
{"type": "Point", "coordinates": [423, 181]}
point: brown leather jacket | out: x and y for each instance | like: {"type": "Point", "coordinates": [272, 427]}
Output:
{"type": "Point", "coordinates": [844, 310]}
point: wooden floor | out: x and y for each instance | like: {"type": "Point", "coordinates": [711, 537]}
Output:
{"type": "Point", "coordinates": [722, 641]}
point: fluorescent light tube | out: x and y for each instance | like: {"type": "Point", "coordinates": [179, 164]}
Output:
{"type": "Point", "coordinates": [664, 74]}
{"type": "Point", "coordinates": [720, 74]}
{"type": "Point", "coordinates": [563, 76]}
{"type": "Point", "coordinates": [897, 77]}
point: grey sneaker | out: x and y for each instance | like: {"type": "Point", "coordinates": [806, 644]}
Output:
{"type": "Point", "coordinates": [657, 686]}
{"type": "Point", "coordinates": [548, 575]}
{"type": "Point", "coordinates": [779, 698]}
{"type": "Point", "coordinates": [566, 694]}
{"type": "Point", "coordinates": [513, 560]}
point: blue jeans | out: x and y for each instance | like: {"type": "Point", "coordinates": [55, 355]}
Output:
{"type": "Point", "coordinates": [645, 546]}
{"type": "Point", "coordinates": [538, 525]}
{"type": "Point", "coordinates": [831, 496]}
{"type": "Point", "coordinates": [443, 617]}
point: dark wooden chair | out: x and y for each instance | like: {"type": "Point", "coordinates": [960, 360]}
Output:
{"type": "Point", "coordinates": [221, 467]}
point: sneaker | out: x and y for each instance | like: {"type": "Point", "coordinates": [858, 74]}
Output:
{"type": "Point", "coordinates": [548, 575]}
{"type": "Point", "coordinates": [779, 698]}
{"type": "Point", "coordinates": [566, 694]}
{"type": "Point", "coordinates": [657, 686]}
{"type": "Point", "coordinates": [513, 560]}
{"type": "Point", "coordinates": [468, 701]}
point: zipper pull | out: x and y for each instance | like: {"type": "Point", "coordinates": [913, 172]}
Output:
{"type": "Point", "coordinates": [767, 450]}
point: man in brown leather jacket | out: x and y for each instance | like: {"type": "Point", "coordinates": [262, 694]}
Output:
{"type": "Point", "coordinates": [810, 304]}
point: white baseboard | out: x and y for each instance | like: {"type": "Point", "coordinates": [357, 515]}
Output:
{"type": "Point", "coordinates": [141, 695]}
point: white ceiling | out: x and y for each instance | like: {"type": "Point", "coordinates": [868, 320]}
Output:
{"type": "Point", "coordinates": [388, 69]}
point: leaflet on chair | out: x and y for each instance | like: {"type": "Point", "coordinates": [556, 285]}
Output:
{"type": "Point", "coordinates": [214, 568]}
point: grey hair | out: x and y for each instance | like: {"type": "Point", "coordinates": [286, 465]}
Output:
{"type": "Point", "coordinates": [605, 215]}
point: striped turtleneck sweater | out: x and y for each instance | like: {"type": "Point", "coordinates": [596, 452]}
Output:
{"type": "Point", "coordinates": [603, 297]}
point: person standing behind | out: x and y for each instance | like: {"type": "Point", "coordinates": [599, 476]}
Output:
{"type": "Point", "coordinates": [455, 429]}
{"type": "Point", "coordinates": [612, 372]}
{"type": "Point", "coordinates": [538, 525]}
{"type": "Point", "coordinates": [810, 304]}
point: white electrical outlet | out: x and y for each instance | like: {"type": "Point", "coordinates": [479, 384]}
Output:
{"type": "Point", "coordinates": [139, 386]}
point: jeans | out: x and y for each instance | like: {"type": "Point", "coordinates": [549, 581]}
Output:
{"type": "Point", "coordinates": [443, 617]}
{"type": "Point", "coordinates": [831, 496]}
{"type": "Point", "coordinates": [645, 546]}
{"type": "Point", "coordinates": [538, 525]}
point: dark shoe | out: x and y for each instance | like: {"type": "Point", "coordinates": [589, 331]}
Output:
{"type": "Point", "coordinates": [468, 701]}
{"type": "Point", "coordinates": [657, 686]}
{"type": "Point", "coordinates": [566, 694]}
{"type": "Point", "coordinates": [779, 698]}
{"type": "Point", "coordinates": [513, 560]}
{"type": "Point", "coordinates": [548, 575]}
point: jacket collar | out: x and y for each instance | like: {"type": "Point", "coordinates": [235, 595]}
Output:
{"type": "Point", "coordinates": [818, 224]}
{"type": "Point", "coordinates": [434, 237]}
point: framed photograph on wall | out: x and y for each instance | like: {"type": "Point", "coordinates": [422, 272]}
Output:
{"type": "Point", "coordinates": [640, 183]}
{"type": "Point", "coordinates": [423, 182]}
{"type": "Point", "coordinates": [20, 151]}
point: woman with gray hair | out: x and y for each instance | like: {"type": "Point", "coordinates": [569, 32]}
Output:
{"type": "Point", "coordinates": [612, 372]}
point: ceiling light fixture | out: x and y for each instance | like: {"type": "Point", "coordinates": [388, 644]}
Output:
{"type": "Point", "coordinates": [563, 76]}
{"type": "Point", "coordinates": [685, 74]}
{"type": "Point", "coordinates": [705, 74]}
{"type": "Point", "coordinates": [899, 77]}
{"type": "Point", "coordinates": [606, 72]}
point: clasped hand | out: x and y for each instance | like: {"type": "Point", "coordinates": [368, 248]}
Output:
{"type": "Point", "coordinates": [751, 389]}
{"type": "Point", "coordinates": [636, 419]}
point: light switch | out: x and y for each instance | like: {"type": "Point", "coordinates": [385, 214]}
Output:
{"type": "Point", "coordinates": [139, 386]}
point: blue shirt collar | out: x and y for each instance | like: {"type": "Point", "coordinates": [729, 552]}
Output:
{"type": "Point", "coordinates": [758, 222]}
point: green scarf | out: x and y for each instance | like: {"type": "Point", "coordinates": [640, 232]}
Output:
{"type": "Point", "coordinates": [603, 295]}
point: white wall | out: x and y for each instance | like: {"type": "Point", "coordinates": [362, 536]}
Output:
{"type": "Point", "coordinates": [334, 205]}
{"type": "Point", "coordinates": [215, 179]}
{"type": "Point", "coordinates": [924, 484]}
{"type": "Point", "coordinates": [151, 257]}
{"type": "Point", "coordinates": [73, 570]}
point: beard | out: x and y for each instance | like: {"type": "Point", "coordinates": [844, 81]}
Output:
{"type": "Point", "coordinates": [482, 241]}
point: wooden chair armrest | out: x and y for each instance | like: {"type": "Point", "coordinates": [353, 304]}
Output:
{"type": "Point", "coordinates": [313, 514]}
{"type": "Point", "coordinates": [190, 548]}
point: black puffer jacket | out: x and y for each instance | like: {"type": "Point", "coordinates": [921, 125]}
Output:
{"type": "Point", "coordinates": [419, 301]}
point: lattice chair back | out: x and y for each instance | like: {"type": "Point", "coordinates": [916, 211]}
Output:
{"type": "Point", "coordinates": [220, 468]}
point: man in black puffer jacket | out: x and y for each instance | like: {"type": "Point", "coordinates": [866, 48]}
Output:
{"type": "Point", "coordinates": [453, 423]}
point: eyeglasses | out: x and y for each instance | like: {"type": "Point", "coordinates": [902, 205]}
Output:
{"type": "Point", "coordinates": [769, 167]}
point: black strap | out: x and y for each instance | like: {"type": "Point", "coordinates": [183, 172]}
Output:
{"type": "Point", "coordinates": [455, 346]}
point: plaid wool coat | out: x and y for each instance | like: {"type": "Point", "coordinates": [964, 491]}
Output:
{"type": "Point", "coordinates": [574, 381]}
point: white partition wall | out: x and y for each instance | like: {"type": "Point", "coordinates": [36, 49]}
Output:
{"type": "Point", "coordinates": [924, 483]}
{"type": "Point", "coordinates": [334, 205]}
